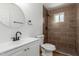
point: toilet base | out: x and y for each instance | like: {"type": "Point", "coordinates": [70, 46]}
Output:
{"type": "Point", "coordinates": [47, 54]}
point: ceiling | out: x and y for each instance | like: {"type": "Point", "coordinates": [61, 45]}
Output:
{"type": "Point", "coordinates": [53, 5]}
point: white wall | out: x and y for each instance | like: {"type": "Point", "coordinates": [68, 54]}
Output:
{"type": "Point", "coordinates": [33, 12]}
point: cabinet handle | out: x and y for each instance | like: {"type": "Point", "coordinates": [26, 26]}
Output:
{"type": "Point", "coordinates": [26, 49]}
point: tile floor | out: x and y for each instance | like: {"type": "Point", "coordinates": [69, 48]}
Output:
{"type": "Point", "coordinates": [58, 54]}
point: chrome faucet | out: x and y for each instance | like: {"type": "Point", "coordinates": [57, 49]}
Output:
{"type": "Point", "coordinates": [17, 37]}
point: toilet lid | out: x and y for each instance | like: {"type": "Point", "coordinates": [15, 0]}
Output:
{"type": "Point", "coordinates": [48, 47]}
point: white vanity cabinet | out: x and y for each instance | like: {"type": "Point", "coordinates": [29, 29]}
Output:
{"type": "Point", "coordinates": [30, 49]}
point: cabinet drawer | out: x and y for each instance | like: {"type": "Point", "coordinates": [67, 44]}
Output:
{"type": "Point", "coordinates": [10, 52]}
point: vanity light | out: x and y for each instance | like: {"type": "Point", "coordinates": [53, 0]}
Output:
{"type": "Point", "coordinates": [28, 22]}
{"type": "Point", "coordinates": [18, 22]}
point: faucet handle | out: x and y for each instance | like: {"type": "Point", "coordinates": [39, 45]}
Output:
{"type": "Point", "coordinates": [14, 39]}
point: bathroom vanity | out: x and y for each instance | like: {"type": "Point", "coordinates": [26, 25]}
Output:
{"type": "Point", "coordinates": [24, 47]}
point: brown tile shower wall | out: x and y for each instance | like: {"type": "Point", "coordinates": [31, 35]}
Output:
{"type": "Point", "coordinates": [63, 35]}
{"type": "Point", "coordinates": [77, 29]}
{"type": "Point", "coordinates": [45, 24]}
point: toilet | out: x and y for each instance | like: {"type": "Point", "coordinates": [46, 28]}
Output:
{"type": "Point", "coordinates": [46, 48]}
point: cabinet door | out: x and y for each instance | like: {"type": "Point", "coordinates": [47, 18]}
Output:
{"type": "Point", "coordinates": [33, 50]}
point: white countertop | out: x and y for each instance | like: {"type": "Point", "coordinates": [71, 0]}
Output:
{"type": "Point", "coordinates": [14, 44]}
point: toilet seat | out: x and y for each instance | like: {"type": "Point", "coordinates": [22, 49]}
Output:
{"type": "Point", "coordinates": [48, 47]}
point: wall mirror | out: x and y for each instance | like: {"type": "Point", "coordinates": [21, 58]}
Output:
{"type": "Point", "coordinates": [11, 15]}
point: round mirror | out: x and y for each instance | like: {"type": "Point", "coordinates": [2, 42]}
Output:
{"type": "Point", "coordinates": [11, 15]}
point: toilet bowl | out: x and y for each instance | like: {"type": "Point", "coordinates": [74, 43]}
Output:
{"type": "Point", "coordinates": [46, 48]}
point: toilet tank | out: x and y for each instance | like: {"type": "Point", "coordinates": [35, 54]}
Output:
{"type": "Point", "coordinates": [41, 38]}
